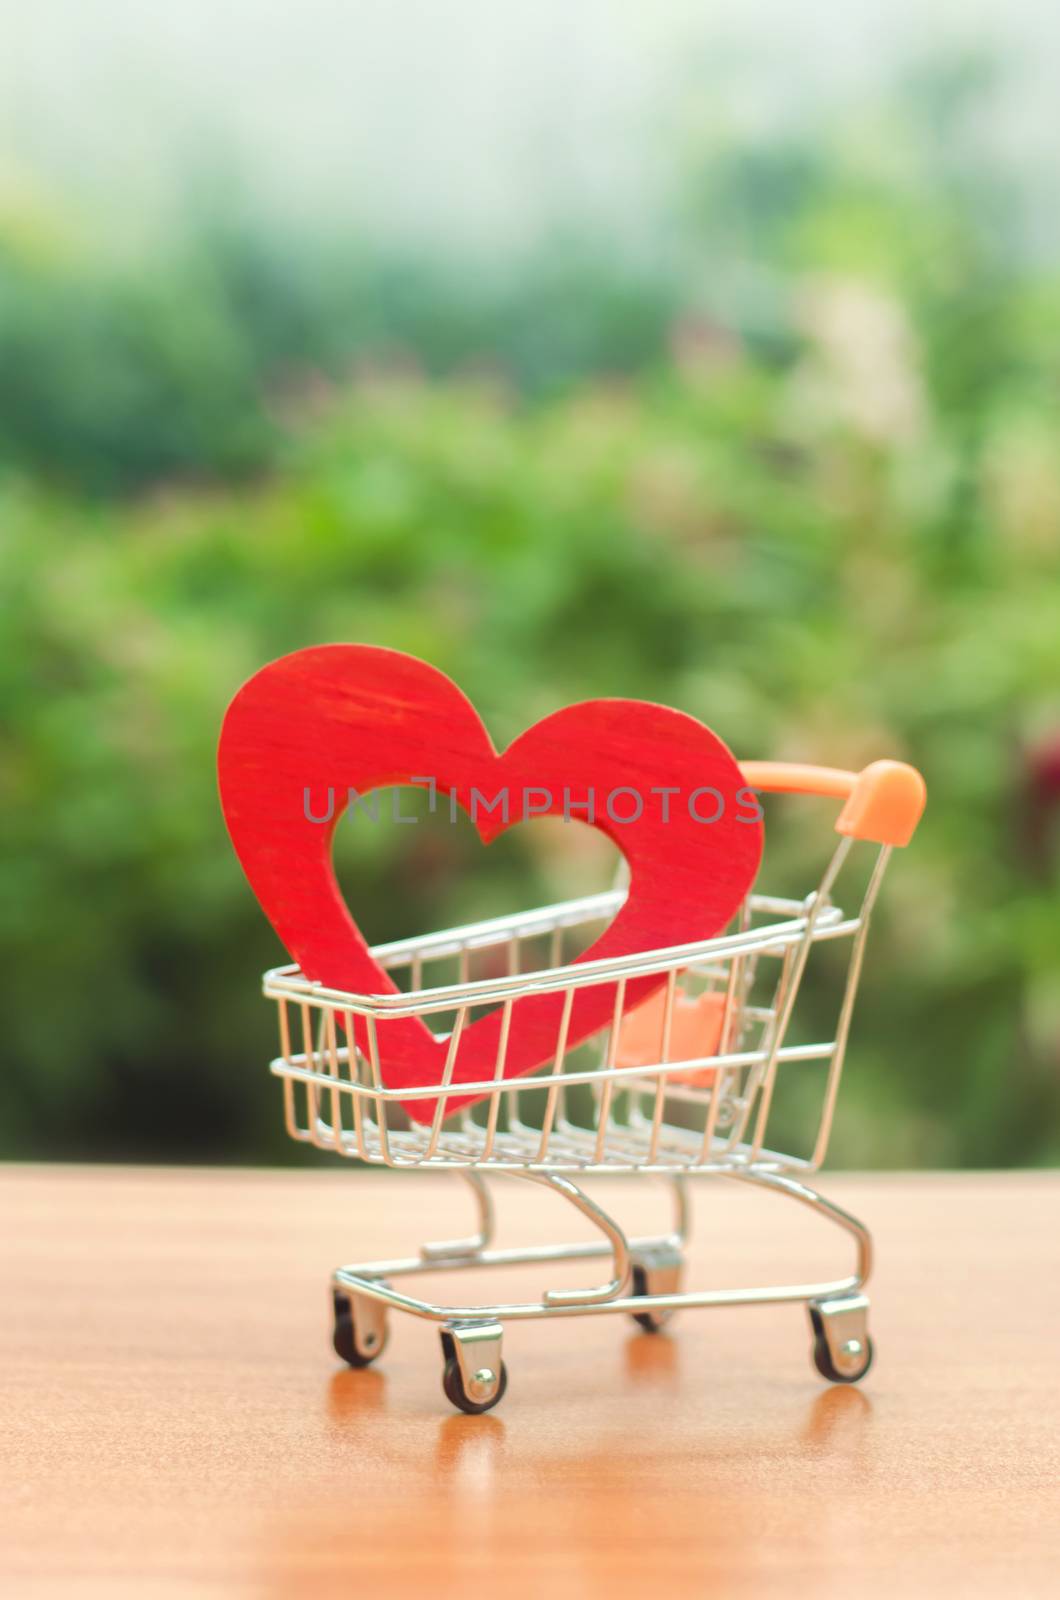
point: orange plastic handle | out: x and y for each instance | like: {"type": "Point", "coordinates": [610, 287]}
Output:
{"type": "Point", "coordinates": [883, 803]}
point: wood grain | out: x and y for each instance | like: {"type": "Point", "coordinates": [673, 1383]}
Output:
{"type": "Point", "coordinates": [174, 1423]}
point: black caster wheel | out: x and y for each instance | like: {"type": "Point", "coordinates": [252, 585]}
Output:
{"type": "Point", "coordinates": [650, 1321]}
{"type": "Point", "coordinates": [853, 1372]}
{"type": "Point", "coordinates": [357, 1346]}
{"type": "Point", "coordinates": [457, 1395]}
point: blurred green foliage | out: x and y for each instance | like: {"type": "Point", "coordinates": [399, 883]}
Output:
{"type": "Point", "coordinates": [801, 478]}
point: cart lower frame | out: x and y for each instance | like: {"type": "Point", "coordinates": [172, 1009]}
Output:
{"type": "Point", "coordinates": [645, 1283]}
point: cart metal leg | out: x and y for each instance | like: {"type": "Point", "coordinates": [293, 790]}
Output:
{"type": "Point", "coordinates": [645, 1283]}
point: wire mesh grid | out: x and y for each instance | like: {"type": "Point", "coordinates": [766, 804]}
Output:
{"type": "Point", "coordinates": [588, 1108]}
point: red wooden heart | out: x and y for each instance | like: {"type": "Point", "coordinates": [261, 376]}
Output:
{"type": "Point", "coordinates": [356, 716]}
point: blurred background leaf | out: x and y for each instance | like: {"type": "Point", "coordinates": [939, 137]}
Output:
{"type": "Point", "coordinates": [789, 460]}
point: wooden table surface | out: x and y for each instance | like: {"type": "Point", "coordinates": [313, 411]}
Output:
{"type": "Point", "coordinates": [174, 1423]}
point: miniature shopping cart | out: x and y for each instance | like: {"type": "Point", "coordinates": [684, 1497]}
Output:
{"type": "Point", "coordinates": [682, 1086]}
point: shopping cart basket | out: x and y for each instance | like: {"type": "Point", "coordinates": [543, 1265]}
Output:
{"type": "Point", "coordinates": [685, 1101]}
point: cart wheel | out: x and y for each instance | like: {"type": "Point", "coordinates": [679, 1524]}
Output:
{"type": "Point", "coordinates": [650, 1321]}
{"type": "Point", "coordinates": [453, 1384]}
{"type": "Point", "coordinates": [856, 1351]}
{"type": "Point", "coordinates": [359, 1337]}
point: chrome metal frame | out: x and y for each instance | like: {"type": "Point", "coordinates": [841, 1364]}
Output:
{"type": "Point", "coordinates": [625, 1253]}
{"type": "Point", "coordinates": [582, 1114]}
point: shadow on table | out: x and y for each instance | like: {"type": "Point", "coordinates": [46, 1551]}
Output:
{"type": "Point", "coordinates": [418, 1501]}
